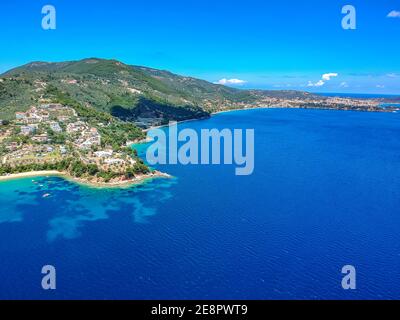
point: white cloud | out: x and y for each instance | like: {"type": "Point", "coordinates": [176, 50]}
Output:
{"type": "Point", "coordinates": [344, 84]}
{"type": "Point", "coordinates": [392, 75]}
{"type": "Point", "coordinates": [394, 14]}
{"type": "Point", "coordinates": [324, 78]}
{"type": "Point", "coordinates": [380, 86]}
{"type": "Point", "coordinates": [230, 81]}
{"type": "Point", "coordinates": [328, 76]}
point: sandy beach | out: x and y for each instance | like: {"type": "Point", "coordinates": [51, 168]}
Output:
{"type": "Point", "coordinates": [31, 174]}
{"type": "Point", "coordinates": [116, 184]}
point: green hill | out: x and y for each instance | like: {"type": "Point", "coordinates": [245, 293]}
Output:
{"type": "Point", "coordinates": [128, 92]}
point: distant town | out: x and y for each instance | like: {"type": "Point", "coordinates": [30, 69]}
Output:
{"type": "Point", "coordinates": [320, 102]}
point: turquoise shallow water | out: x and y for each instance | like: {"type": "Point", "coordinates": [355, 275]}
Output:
{"type": "Point", "coordinates": [325, 192]}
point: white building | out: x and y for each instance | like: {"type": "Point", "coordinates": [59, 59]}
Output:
{"type": "Point", "coordinates": [114, 161]}
{"type": "Point", "coordinates": [20, 115]}
{"type": "Point", "coordinates": [104, 154]}
{"type": "Point", "coordinates": [40, 138]}
{"type": "Point", "coordinates": [55, 127]}
{"type": "Point", "coordinates": [76, 127]}
{"type": "Point", "coordinates": [27, 130]}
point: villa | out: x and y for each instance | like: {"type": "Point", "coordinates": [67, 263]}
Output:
{"type": "Point", "coordinates": [114, 161]}
{"type": "Point", "coordinates": [20, 115]}
{"type": "Point", "coordinates": [55, 126]}
{"type": "Point", "coordinates": [28, 130]}
{"type": "Point", "coordinates": [76, 127]}
{"type": "Point", "coordinates": [104, 154]}
{"type": "Point", "coordinates": [40, 138]}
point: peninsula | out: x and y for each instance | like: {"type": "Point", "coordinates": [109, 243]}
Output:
{"type": "Point", "coordinates": [80, 118]}
{"type": "Point", "coordinates": [54, 139]}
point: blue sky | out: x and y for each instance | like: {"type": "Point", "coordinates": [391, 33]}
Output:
{"type": "Point", "coordinates": [266, 44]}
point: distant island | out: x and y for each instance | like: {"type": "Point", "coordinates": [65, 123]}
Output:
{"type": "Point", "coordinates": [80, 118]}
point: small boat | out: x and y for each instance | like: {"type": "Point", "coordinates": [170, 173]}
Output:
{"type": "Point", "coordinates": [46, 195]}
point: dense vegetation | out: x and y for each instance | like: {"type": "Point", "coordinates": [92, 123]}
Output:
{"type": "Point", "coordinates": [76, 169]}
{"type": "Point", "coordinates": [111, 86]}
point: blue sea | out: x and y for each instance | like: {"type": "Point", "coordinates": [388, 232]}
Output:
{"type": "Point", "coordinates": [325, 193]}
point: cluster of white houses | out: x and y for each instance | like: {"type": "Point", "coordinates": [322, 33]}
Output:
{"type": "Point", "coordinates": [43, 113]}
{"type": "Point", "coordinates": [30, 153]}
{"type": "Point", "coordinates": [52, 115]}
{"type": "Point", "coordinates": [49, 114]}
{"type": "Point", "coordinates": [80, 138]}
{"type": "Point", "coordinates": [85, 136]}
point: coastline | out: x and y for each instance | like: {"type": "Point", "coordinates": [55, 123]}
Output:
{"type": "Point", "coordinates": [301, 108]}
{"type": "Point", "coordinates": [146, 140]}
{"type": "Point", "coordinates": [117, 184]}
{"type": "Point", "coordinates": [31, 174]}
{"type": "Point", "coordinates": [251, 108]}
{"type": "Point", "coordinates": [140, 178]}
{"type": "Point", "coordinates": [241, 109]}
{"type": "Point", "coordinates": [166, 125]}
